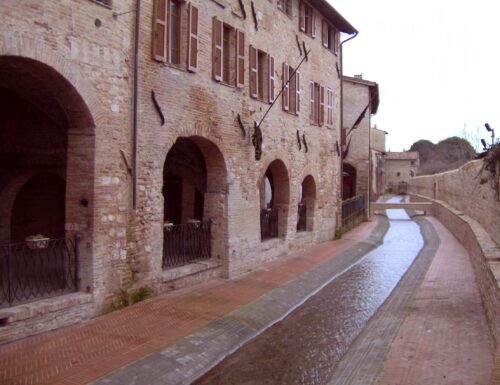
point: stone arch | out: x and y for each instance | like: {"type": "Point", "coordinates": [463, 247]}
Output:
{"type": "Point", "coordinates": [349, 178]}
{"type": "Point", "coordinates": [274, 214]}
{"type": "Point", "coordinates": [49, 128]}
{"type": "Point", "coordinates": [307, 198]}
{"type": "Point", "coordinates": [195, 189]}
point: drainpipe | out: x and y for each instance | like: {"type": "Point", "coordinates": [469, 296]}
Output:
{"type": "Point", "coordinates": [342, 119]}
{"type": "Point", "coordinates": [135, 91]}
{"type": "Point", "coordinates": [368, 201]}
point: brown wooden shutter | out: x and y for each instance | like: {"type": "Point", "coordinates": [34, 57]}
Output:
{"type": "Point", "coordinates": [324, 33]}
{"type": "Point", "coordinates": [336, 41]}
{"type": "Point", "coordinates": [302, 17]}
{"type": "Point", "coordinates": [313, 22]}
{"type": "Point", "coordinates": [329, 114]}
{"type": "Point", "coordinates": [240, 59]}
{"type": "Point", "coordinates": [192, 38]}
{"type": "Point", "coordinates": [297, 92]}
{"type": "Point", "coordinates": [270, 60]}
{"type": "Point", "coordinates": [160, 30]}
{"type": "Point", "coordinates": [312, 104]}
{"type": "Point", "coordinates": [217, 49]}
{"type": "Point", "coordinates": [253, 72]}
{"type": "Point", "coordinates": [321, 118]}
{"type": "Point", "coordinates": [286, 87]}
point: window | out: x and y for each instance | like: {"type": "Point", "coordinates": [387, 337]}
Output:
{"type": "Point", "coordinates": [261, 75]}
{"type": "Point", "coordinates": [291, 90]}
{"type": "Point", "coordinates": [285, 6]}
{"type": "Point", "coordinates": [228, 59]}
{"type": "Point", "coordinates": [330, 37]}
{"type": "Point", "coordinates": [317, 103]}
{"type": "Point", "coordinates": [398, 174]}
{"type": "Point", "coordinates": [168, 22]}
{"type": "Point", "coordinates": [329, 107]}
{"type": "Point", "coordinates": [307, 19]}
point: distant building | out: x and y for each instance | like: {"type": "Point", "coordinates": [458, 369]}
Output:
{"type": "Point", "coordinates": [360, 101]}
{"type": "Point", "coordinates": [400, 168]}
{"type": "Point", "coordinates": [377, 141]}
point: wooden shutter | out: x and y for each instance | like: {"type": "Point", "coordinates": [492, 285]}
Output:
{"type": "Point", "coordinates": [217, 49]}
{"type": "Point", "coordinates": [313, 22]}
{"type": "Point", "coordinates": [321, 118]}
{"type": "Point", "coordinates": [160, 30]}
{"type": "Point", "coordinates": [192, 38]}
{"type": "Point", "coordinates": [297, 92]}
{"type": "Point", "coordinates": [324, 33]}
{"type": "Point", "coordinates": [240, 59]}
{"type": "Point", "coordinates": [312, 104]}
{"type": "Point", "coordinates": [253, 72]}
{"type": "Point", "coordinates": [329, 119]}
{"type": "Point", "coordinates": [270, 67]}
{"type": "Point", "coordinates": [286, 87]}
{"type": "Point", "coordinates": [302, 17]}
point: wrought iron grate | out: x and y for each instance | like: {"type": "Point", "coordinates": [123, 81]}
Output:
{"type": "Point", "coordinates": [268, 224]}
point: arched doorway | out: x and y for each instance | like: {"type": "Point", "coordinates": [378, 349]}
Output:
{"type": "Point", "coordinates": [46, 180]}
{"type": "Point", "coordinates": [348, 181]}
{"type": "Point", "coordinates": [274, 200]}
{"type": "Point", "coordinates": [307, 197]}
{"type": "Point", "coordinates": [195, 193]}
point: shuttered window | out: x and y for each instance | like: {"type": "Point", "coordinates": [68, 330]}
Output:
{"type": "Point", "coordinates": [307, 19]}
{"type": "Point", "coordinates": [291, 91]}
{"type": "Point", "coordinates": [330, 37]}
{"type": "Point", "coordinates": [286, 87]}
{"type": "Point", "coordinates": [169, 19]}
{"type": "Point", "coordinates": [228, 57]}
{"type": "Point", "coordinates": [262, 75]}
{"type": "Point", "coordinates": [317, 103]}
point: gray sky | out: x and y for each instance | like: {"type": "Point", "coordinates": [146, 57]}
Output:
{"type": "Point", "coordinates": [437, 63]}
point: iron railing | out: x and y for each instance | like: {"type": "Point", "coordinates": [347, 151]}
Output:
{"type": "Point", "coordinates": [268, 224]}
{"type": "Point", "coordinates": [34, 270]}
{"type": "Point", "coordinates": [302, 218]}
{"type": "Point", "coordinates": [186, 243]}
{"type": "Point", "coordinates": [353, 211]}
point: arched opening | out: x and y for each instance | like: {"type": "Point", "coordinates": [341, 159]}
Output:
{"type": "Point", "coordinates": [348, 181]}
{"type": "Point", "coordinates": [307, 197]}
{"type": "Point", "coordinates": [46, 181]}
{"type": "Point", "coordinates": [39, 208]}
{"type": "Point", "coordinates": [274, 201]}
{"type": "Point", "coordinates": [194, 192]}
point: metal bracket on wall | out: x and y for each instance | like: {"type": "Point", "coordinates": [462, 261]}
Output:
{"type": "Point", "coordinates": [158, 108]}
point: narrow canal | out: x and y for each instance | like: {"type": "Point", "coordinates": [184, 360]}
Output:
{"type": "Point", "coordinates": [305, 347]}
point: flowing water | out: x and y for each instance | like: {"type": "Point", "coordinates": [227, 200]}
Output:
{"type": "Point", "coordinates": [305, 347]}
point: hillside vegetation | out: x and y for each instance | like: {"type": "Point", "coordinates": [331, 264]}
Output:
{"type": "Point", "coordinates": [448, 154]}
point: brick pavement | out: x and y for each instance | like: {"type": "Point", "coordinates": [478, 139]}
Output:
{"type": "Point", "coordinates": [445, 337]}
{"type": "Point", "coordinates": [83, 353]}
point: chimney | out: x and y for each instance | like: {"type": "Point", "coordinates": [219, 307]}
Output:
{"type": "Point", "coordinates": [360, 76]}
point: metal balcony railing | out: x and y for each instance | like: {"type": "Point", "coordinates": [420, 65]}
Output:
{"type": "Point", "coordinates": [268, 224]}
{"type": "Point", "coordinates": [353, 211]}
{"type": "Point", "coordinates": [38, 269]}
{"type": "Point", "coordinates": [186, 243]}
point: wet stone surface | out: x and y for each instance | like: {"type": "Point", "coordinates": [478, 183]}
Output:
{"type": "Point", "coordinates": [305, 347]}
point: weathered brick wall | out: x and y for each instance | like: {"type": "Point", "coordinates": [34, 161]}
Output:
{"type": "Point", "coordinates": [79, 54]}
{"type": "Point", "coordinates": [356, 98]}
{"type": "Point", "coordinates": [196, 106]}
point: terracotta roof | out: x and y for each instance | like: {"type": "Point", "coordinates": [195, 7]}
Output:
{"type": "Point", "coordinates": [407, 155]}
{"type": "Point", "coordinates": [333, 16]}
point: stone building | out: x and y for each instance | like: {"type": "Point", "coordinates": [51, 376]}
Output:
{"type": "Point", "coordinates": [360, 102]}
{"type": "Point", "coordinates": [132, 154]}
{"type": "Point", "coordinates": [400, 167]}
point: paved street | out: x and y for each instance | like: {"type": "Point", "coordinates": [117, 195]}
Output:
{"type": "Point", "coordinates": [173, 339]}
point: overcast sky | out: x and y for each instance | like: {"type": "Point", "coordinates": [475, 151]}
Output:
{"type": "Point", "coordinates": [437, 64]}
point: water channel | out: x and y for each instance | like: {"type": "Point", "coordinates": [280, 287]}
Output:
{"type": "Point", "coordinates": [305, 347]}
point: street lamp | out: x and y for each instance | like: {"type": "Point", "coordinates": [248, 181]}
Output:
{"type": "Point", "coordinates": [489, 129]}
